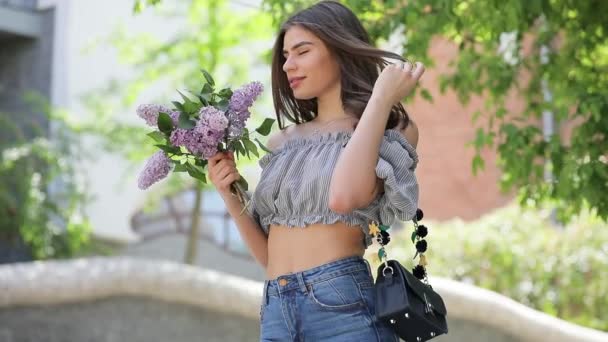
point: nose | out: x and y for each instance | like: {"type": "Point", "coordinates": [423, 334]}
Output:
{"type": "Point", "coordinates": [288, 65]}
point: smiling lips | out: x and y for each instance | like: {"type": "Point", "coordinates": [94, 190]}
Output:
{"type": "Point", "coordinates": [295, 81]}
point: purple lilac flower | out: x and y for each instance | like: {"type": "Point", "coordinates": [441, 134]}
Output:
{"type": "Point", "coordinates": [203, 139]}
{"type": "Point", "coordinates": [157, 167]}
{"type": "Point", "coordinates": [149, 112]}
{"type": "Point", "coordinates": [244, 97]}
{"type": "Point", "coordinates": [213, 118]}
{"type": "Point", "coordinates": [239, 104]}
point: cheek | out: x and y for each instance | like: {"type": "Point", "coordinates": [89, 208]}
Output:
{"type": "Point", "coordinates": [322, 70]}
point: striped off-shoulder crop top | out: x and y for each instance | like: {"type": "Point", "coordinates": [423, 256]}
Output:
{"type": "Point", "coordinates": [294, 183]}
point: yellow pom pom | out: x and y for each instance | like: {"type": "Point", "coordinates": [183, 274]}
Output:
{"type": "Point", "coordinates": [422, 260]}
{"type": "Point", "coordinates": [374, 229]}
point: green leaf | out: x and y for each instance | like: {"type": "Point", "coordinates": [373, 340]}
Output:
{"type": "Point", "coordinates": [200, 163]}
{"type": "Point", "coordinates": [165, 124]}
{"type": "Point", "coordinates": [207, 89]}
{"type": "Point", "coordinates": [138, 6]}
{"type": "Point", "coordinates": [240, 149]}
{"type": "Point", "coordinates": [205, 99]}
{"type": "Point", "coordinates": [157, 136]}
{"type": "Point", "coordinates": [265, 127]}
{"type": "Point", "coordinates": [384, 227]}
{"type": "Point", "coordinates": [168, 149]}
{"type": "Point", "coordinates": [413, 237]}
{"type": "Point", "coordinates": [243, 183]}
{"type": "Point", "coordinates": [180, 168]}
{"type": "Point", "coordinates": [225, 93]}
{"type": "Point", "coordinates": [208, 77]}
{"type": "Point", "coordinates": [426, 95]}
{"type": "Point", "coordinates": [178, 106]}
{"type": "Point", "coordinates": [250, 146]}
{"type": "Point", "coordinates": [477, 164]}
{"type": "Point", "coordinates": [262, 146]}
{"type": "Point", "coordinates": [184, 97]}
{"type": "Point", "coordinates": [195, 173]}
{"type": "Point", "coordinates": [223, 105]}
{"type": "Point", "coordinates": [185, 122]}
{"type": "Point", "coordinates": [189, 105]}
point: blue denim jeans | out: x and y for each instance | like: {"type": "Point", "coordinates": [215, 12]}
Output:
{"type": "Point", "coordinates": [332, 302]}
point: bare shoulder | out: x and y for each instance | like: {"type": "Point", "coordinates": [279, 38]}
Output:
{"type": "Point", "coordinates": [410, 132]}
{"type": "Point", "coordinates": [278, 138]}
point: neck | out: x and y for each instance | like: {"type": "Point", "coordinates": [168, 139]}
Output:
{"type": "Point", "coordinates": [329, 105]}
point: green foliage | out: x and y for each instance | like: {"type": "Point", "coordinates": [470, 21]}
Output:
{"type": "Point", "coordinates": [140, 5]}
{"type": "Point", "coordinates": [498, 43]}
{"type": "Point", "coordinates": [558, 270]}
{"type": "Point", "coordinates": [214, 37]}
{"type": "Point", "coordinates": [42, 199]}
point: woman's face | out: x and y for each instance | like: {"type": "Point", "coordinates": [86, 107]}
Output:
{"type": "Point", "coordinates": [311, 69]}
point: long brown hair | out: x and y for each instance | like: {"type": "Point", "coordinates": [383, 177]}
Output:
{"type": "Point", "coordinates": [360, 63]}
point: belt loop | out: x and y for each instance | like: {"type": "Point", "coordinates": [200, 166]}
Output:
{"type": "Point", "coordinates": [369, 267]}
{"type": "Point", "coordinates": [301, 283]}
{"type": "Point", "coordinates": [265, 293]}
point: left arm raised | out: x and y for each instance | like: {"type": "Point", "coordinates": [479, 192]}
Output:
{"type": "Point", "coordinates": [354, 182]}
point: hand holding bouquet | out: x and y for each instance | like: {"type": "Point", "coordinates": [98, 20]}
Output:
{"type": "Point", "coordinates": [196, 130]}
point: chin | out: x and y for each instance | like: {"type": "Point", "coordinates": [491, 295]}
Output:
{"type": "Point", "coordinates": [302, 95]}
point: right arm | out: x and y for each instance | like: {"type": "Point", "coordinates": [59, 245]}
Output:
{"type": "Point", "coordinates": [253, 235]}
{"type": "Point", "coordinates": [222, 173]}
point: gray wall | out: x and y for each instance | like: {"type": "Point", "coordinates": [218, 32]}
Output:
{"type": "Point", "coordinates": [19, 4]}
{"type": "Point", "coordinates": [25, 66]}
{"type": "Point", "coordinates": [119, 319]}
{"type": "Point", "coordinates": [210, 255]}
{"type": "Point", "coordinates": [138, 319]}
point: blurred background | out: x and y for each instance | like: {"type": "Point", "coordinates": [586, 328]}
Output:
{"type": "Point", "coordinates": [513, 152]}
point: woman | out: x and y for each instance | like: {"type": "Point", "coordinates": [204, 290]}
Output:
{"type": "Point", "coordinates": [349, 158]}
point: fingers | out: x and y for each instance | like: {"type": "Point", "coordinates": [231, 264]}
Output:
{"type": "Point", "coordinates": [226, 175]}
{"type": "Point", "coordinates": [414, 69]}
{"type": "Point", "coordinates": [229, 179]}
{"type": "Point", "coordinates": [214, 159]}
{"type": "Point", "coordinates": [407, 67]}
{"type": "Point", "coordinates": [219, 156]}
{"type": "Point", "coordinates": [418, 70]}
{"type": "Point", "coordinates": [222, 170]}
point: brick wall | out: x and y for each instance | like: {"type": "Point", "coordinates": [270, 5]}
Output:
{"type": "Point", "coordinates": [448, 188]}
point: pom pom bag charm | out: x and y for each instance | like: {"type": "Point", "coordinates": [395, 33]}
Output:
{"type": "Point", "coordinates": [405, 300]}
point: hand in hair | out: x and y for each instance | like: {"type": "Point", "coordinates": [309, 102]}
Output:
{"type": "Point", "coordinates": [397, 81]}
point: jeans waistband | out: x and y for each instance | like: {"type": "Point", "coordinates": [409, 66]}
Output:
{"type": "Point", "coordinates": [313, 275]}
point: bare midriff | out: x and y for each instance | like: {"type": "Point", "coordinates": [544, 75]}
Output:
{"type": "Point", "coordinates": [296, 249]}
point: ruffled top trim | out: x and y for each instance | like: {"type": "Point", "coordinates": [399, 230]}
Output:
{"type": "Point", "coordinates": [332, 138]}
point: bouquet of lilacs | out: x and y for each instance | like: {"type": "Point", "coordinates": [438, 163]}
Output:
{"type": "Point", "coordinates": [195, 130]}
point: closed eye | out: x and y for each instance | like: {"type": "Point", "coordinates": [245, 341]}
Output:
{"type": "Point", "coordinates": [303, 52]}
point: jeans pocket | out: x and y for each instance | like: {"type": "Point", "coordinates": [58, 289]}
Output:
{"type": "Point", "coordinates": [337, 294]}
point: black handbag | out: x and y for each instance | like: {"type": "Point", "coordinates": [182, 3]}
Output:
{"type": "Point", "coordinates": [405, 300]}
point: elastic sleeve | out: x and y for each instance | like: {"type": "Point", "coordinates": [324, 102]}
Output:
{"type": "Point", "coordinates": [396, 165]}
{"type": "Point", "coordinates": [251, 209]}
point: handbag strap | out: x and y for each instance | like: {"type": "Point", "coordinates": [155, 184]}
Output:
{"type": "Point", "coordinates": [382, 236]}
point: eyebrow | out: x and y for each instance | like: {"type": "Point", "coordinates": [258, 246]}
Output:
{"type": "Point", "coordinates": [298, 45]}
